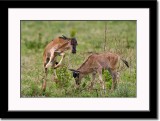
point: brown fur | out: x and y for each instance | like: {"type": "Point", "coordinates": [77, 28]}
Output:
{"type": "Point", "coordinates": [59, 44]}
{"type": "Point", "coordinates": [95, 63]}
{"type": "Point", "coordinates": [56, 47]}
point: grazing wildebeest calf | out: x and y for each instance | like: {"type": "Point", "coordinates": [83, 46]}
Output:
{"type": "Point", "coordinates": [95, 63]}
{"type": "Point", "coordinates": [56, 47]}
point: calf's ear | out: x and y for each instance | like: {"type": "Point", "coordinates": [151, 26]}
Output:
{"type": "Point", "coordinates": [64, 37]}
{"type": "Point", "coordinates": [73, 70]}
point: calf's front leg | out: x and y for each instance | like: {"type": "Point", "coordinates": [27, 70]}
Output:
{"type": "Point", "coordinates": [93, 80]}
{"type": "Point", "coordinates": [59, 64]}
{"type": "Point", "coordinates": [101, 81]}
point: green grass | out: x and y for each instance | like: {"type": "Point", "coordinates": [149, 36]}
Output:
{"type": "Point", "coordinates": [120, 38]}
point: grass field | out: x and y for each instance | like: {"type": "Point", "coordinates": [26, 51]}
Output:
{"type": "Point", "coordinates": [120, 39]}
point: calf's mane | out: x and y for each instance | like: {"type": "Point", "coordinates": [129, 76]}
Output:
{"type": "Point", "coordinates": [84, 62]}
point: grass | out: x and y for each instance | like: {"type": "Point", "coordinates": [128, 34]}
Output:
{"type": "Point", "coordinates": [120, 38]}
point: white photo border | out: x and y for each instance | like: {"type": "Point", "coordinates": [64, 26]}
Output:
{"type": "Point", "coordinates": [140, 103]}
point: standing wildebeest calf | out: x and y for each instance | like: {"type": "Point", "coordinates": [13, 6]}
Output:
{"type": "Point", "coordinates": [95, 63]}
{"type": "Point", "coordinates": [56, 47]}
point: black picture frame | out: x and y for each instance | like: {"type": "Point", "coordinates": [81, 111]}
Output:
{"type": "Point", "coordinates": [152, 114]}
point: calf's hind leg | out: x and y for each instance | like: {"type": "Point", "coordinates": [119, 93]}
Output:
{"type": "Point", "coordinates": [113, 73]}
{"type": "Point", "coordinates": [45, 78]}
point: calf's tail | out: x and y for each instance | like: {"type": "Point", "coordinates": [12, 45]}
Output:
{"type": "Point", "coordinates": [126, 63]}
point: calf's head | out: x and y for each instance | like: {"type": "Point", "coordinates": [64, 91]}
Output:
{"type": "Point", "coordinates": [77, 76]}
{"type": "Point", "coordinates": [73, 43]}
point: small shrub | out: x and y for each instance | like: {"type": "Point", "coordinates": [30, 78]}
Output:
{"type": "Point", "coordinates": [64, 77]}
{"type": "Point", "coordinates": [73, 33]}
{"type": "Point", "coordinates": [107, 78]}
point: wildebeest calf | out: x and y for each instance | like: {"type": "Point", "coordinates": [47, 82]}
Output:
{"type": "Point", "coordinates": [57, 46]}
{"type": "Point", "coordinates": [95, 63]}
